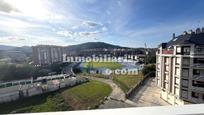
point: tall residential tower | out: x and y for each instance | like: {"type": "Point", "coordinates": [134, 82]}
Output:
{"type": "Point", "coordinates": [47, 54]}
{"type": "Point", "coordinates": [180, 68]}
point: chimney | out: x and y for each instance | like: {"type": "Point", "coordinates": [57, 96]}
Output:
{"type": "Point", "coordinates": [198, 31]}
{"type": "Point", "coordinates": [185, 33]}
{"type": "Point", "coordinates": [191, 31]}
{"type": "Point", "coordinates": [174, 35]}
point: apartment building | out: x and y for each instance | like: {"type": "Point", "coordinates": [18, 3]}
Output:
{"type": "Point", "coordinates": [47, 54]}
{"type": "Point", "coordinates": [180, 68]}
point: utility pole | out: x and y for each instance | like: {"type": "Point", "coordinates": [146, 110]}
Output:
{"type": "Point", "coordinates": [146, 53]}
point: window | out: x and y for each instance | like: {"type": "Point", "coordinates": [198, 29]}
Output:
{"type": "Point", "coordinates": [165, 85]}
{"type": "Point", "coordinates": [194, 94]}
{"type": "Point", "coordinates": [158, 74]}
{"type": "Point", "coordinates": [199, 60]}
{"type": "Point", "coordinates": [178, 61]}
{"type": "Point", "coordinates": [176, 91]}
{"type": "Point", "coordinates": [177, 71]}
{"type": "Point", "coordinates": [166, 60]}
{"type": "Point", "coordinates": [198, 83]}
{"type": "Point", "coordinates": [186, 61]}
{"type": "Point", "coordinates": [186, 50]}
{"type": "Point", "coordinates": [166, 77]}
{"type": "Point", "coordinates": [199, 49]}
{"type": "Point", "coordinates": [203, 96]}
{"type": "Point", "coordinates": [185, 72]}
{"type": "Point", "coordinates": [196, 72]}
{"type": "Point", "coordinates": [178, 50]}
{"type": "Point", "coordinates": [185, 83]}
{"type": "Point", "coordinates": [177, 81]}
{"type": "Point", "coordinates": [184, 94]}
{"type": "Point", "coordinates": [166, 68]}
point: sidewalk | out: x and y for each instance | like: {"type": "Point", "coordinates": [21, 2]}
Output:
{"type": "Point", "coordinates": [148, 95]}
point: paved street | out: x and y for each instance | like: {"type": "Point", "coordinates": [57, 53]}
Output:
{"type": "Point", "coordinates": [148, 95]}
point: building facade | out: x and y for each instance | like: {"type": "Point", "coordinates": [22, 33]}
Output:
{"type": "Point", "coordinates": [47, 54]}
{"type": "Point", "coordinates": [180, 68]}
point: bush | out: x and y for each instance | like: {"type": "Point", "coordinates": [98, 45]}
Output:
{"type": "Point", "coordinates": [149, 69]}
{"type": "Point", "coordinates": [151, 59]}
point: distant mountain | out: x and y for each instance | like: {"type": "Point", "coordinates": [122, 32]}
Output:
{"type": "Point", "coordinates": [4, 47]}
{"type": "Point", "coordinates": [16, 54]}
{"type": "Point", "coordinates": [25, 49]}
{"type": "Point", "coordinates": [92, 45]}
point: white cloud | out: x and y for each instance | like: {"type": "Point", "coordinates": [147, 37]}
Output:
{"type": "Point", "coordinates": [6, 7]}
{"type": "Point", "coordinates": [104, 29]}
{"type": "Point", "coordinates": [70, 34]}
{"type": "Point", "coordinates": [73, 34]}
{"type": "Point", "coordinates": [75, 27]}
{"type": "Point", "coordinates": [91, 24]}
{"type": "Point", "coordinates": [30, 40]}
{"type": "Point", "coordinates": [89, 33]}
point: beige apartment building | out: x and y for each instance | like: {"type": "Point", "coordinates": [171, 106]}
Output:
{"type": "Point", "coordinates": [46, 54]}
{"type": "Point", "coordinates": [180, 68]}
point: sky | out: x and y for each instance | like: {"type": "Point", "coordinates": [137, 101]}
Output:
{"type": "Point", "coordinates": [130, 23]}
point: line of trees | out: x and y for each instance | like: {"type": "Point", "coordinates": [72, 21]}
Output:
{"type": "Point", "coordinates": [9, 72]}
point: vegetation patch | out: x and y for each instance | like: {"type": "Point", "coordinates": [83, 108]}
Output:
{"type": "Point", "coordinates": [88, 95]}
{"type": "Point", "coordinates": [49, 102]}
{"type": "Point", "coordinates": [126, 82]}
{"type": "Point", "coordinates": [109, 65]}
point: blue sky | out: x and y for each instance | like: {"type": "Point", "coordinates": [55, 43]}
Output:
{"type": "Point", "coordinates": [129, 23]}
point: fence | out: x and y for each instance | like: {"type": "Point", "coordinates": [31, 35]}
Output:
{"type": "Point", "coordinates": [137, 87]}
{"type": "Point", "coordinates": [36, 89]}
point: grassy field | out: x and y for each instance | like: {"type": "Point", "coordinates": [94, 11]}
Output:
{"type": "Point", "coordinates": [40, 103]}
{"type": "Point", "coordinates": [110, 65]}
{"type": "Point", "coordinates": [126, 82]}
{"type": "Point", "coordinates": [86, 95]}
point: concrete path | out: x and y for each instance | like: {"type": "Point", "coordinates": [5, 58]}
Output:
{"type": "Point", "coordinates": [117, 93]}
{"type": "Point", "coordinates": [148, 95]}
{"type": "Point", "coordinates": [117, 97]}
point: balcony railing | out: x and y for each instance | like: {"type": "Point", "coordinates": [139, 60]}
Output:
{"type": "Point", "coordinates": [198, 65]}
{"type": "Point", "coordinates": [198, 77]}
{"type": "Point", "coordinates": [199, 53]}
{"type": "Point", "coordinates": [198, 89]}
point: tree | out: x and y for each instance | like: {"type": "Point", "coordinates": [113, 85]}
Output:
{"type": "Point", "coordinates": [149, 69]}
{"type": "Point", "coordinates": [150, 59]}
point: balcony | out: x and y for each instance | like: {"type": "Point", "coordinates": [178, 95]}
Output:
{"type": "Point", "coordinates": [198, 85]}
{"type": "Point", "coordinates": [199, 51]}
{"type": "Point", "coordinates": [198, 89]}
{"type": "Point", "coordinates": [167, 51]}
{"type": "Point", "coordinates": [198, 65]}
{"type": "Point", "coordinates": [198, 78]}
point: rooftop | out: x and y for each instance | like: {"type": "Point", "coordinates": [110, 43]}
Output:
{"type": "Point", "coordinates": [186, 38]}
